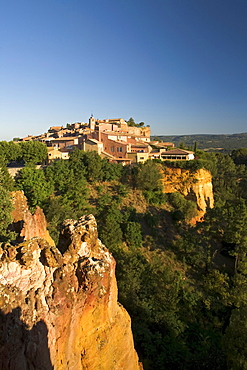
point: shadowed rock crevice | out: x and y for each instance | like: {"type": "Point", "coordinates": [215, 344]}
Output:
{"type": "Point", "coordinates": [21, 347]}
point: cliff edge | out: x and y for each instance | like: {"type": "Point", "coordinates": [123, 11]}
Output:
{"type": "Point", "coordinates": [59, 306]}
{"type": "Point", "coordinates": [196, 186]}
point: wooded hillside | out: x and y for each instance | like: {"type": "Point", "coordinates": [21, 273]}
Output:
{"type": "Point", "coordinates": [183, 285]}
{"type": "Point", "coordinates": [224, 143]}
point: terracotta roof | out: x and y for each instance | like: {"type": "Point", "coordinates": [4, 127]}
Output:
{"type": "Point", "coordinates": [132, 141]}
{"type": "Point", "coordinates": [178, 151]}
{"type": "Point", "coordinates": [65, 138]}
{"type": "Point", "coordinates": [140, 145]}
{"type": "Point", "coordinates": [119, 142]}
{"type": "Point", "coordinates": [114, 132]}
{"type": "Point", "coordinates": [56, 128]}
{"type": "Point", "coordinates": [107, 154]}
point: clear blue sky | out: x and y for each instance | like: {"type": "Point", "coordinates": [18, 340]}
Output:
{"type": "Point", "coordinates": [178, 65]}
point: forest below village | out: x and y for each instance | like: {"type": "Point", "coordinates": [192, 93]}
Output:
{"type": "Point", "coordinates": [184, 285]}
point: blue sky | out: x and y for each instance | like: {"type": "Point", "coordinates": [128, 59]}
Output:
{"type": "Point", "coordinates": [178, 65]}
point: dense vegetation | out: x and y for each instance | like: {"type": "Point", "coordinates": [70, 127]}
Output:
{"type": "Point", "coordinates": [224, 143]}
{"type": "Point", "coordinates": [26, 152]}
{"type": "Point", "coordinates": [184, 286]}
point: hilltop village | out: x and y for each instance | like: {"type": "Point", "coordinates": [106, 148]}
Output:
{"type": "Point", "coordinates": [114, 139]}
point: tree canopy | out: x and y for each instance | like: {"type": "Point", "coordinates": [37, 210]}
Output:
{"type": "Point", "coordinates": [131, 122]}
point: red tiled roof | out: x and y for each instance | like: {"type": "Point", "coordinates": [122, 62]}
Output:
{"type": "Point", "coordinates": [179, 151]}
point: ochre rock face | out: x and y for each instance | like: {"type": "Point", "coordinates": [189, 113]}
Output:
{"type": "Point", "coordinates": [26, 224]}
{"type": "Point", "coordinates": [195, 186]}
{"type": "Point", "coordinates": [59, 305]}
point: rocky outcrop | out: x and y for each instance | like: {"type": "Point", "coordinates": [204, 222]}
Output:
{"type": "Point", "coordinates": [59, 305]}
{"type": "Point", "coordinates": [25, 224]}
{"type": "Point", "coordinates": [196, 186]}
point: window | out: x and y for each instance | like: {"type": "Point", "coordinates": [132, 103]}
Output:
{"type": "Point", "coordinates": [112, 148]}
{"type": "Point", "coordinates": [120, 149]}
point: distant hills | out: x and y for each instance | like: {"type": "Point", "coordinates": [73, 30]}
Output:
{"type": "Point", "coordinates": [224, 143]}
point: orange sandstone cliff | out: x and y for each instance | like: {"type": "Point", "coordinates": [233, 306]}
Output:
{"type": "Point", "coordinates": [25, 224]}
{"type": "Point", "coordinates": [196, 186]}
{"type": "Point", "coordinates": [59, 306]}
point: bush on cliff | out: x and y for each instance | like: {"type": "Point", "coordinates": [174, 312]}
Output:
{"type": "Point", "coordinates": [5, 214]}
{"type": "Point", "coordinates": [184, 209]}
{"type": "Point", "coordinates": [35, 186]}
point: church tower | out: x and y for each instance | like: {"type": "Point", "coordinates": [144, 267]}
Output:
{"type": "Point", "coordinates": [92, 123]}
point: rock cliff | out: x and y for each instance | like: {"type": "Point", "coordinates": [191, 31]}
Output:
{"type": "Point", "coordinates": [25, 224]}
{"type": "Point", "coordinates": [59, 305]}
{"type": "Point", "coordinates": [196, 186]}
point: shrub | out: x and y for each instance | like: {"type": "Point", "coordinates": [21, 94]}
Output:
{"type": "Point", "coordinates": [187, 208]}
{"type": "Point", "coordinates": [132, 234]}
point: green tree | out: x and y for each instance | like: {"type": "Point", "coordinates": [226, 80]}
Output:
{"type": "Point", "coordinates": [111, 171]}
{"type": "Point", "coordinates": [235, 232]}
{"type": "Point", "coordinates": [68, 179]}
{"type": "Point", "coordinates": [150, 290]}
{"type": "Point", "coordinates": [5, 179]}
{"type": "Point", "coordinates": [235, 340]}
{"type": "Point", "coordinates": [59, 173]}
{"type": "Point", "coordinates": [131, 122]}
{"type": "Point", "coordinates": [149, 176]}
{"type": "Point", "coordinates": [91, 162]}
{"type": "Point", "coordinates": [103, 200]}
{"type": "Point", "coordinates": [56, 212]}
{"type": "Point", "coordinates": [239, 156]}
{"type": "Point", "coordinates": [110, 231]}
{"type": "Point", "coordinates": [33, 152]}
{"type": "Point", "coordinates": [76, 196]}
{"type": "Point", "coordinates": [70, 198]}
{"type": "Point", "coordinates": [189, 249]}
{"type": "Point", "coordinates": [243, 185]}
{"type": "Point", "coordinates": [156, 198]}
{"type": "Point", "coordinates": [225, 179]}
{"type": "Point", "coordinates": [5, 214]}
{"type": "Point", "coordinates": [132, 234]}
{"type": "Point", "coordinates": [9, 151]}
{"type": "Point", "coordinates": [187, 208]}
{"type": "Point", "coordinates": [35, 186]}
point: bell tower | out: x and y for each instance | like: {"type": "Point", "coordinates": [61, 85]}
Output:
{"type": "Point", "coordinates": [92, 123]}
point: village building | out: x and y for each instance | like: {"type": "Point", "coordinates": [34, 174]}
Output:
{"type": "Point", "coordinates": [138, 157]}
{"type": "Point", "coordinates": [177, 155]}
{"type": "Point", "coordinates": [61, 142]}
{"type": "Point", "coordinates": [89, 145]}
{"type": "Point", "coordinates": [113, 139]}
{"type": "Point", "coordinates": [28, 138]}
